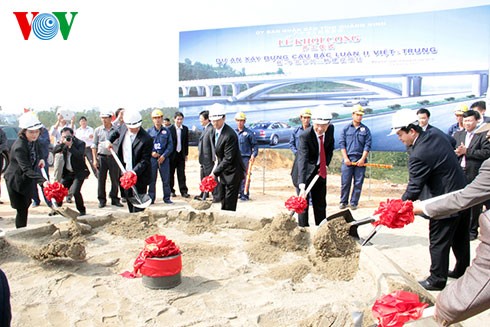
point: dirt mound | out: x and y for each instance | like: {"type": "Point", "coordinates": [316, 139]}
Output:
{"type": "Point", "coordinates": [134, 226]}
{"type": "Point", "coordinates": [73, 248]}
{"type": "Point", "coordinates": [336, 253]}
{"type": "Point", "coordinates": [273, 159]}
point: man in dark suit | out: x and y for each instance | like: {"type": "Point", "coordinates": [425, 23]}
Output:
{"type": "Point", "coordinates": [314, 154]}
{"type": "Point", "coordinates": [75, 170]}
{"type": "Point", "coordinates": [433, 164]}
{"type": "Point", "coordinates": [134, 147]}
{"type": "Point", "coordinates": [472, 149]}
{"type": "Point", "coordinates": [229, 169]}
{"type": "Point", "coordinates": [180, 138]}
{"type": "Point", "coordinates": [470, 294]}
{"type": "Point", "coordinates": [206, 149]}
{"type": "Point", "coordinates": [481, 107]}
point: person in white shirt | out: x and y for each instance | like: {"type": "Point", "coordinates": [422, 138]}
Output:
{"type": "Point", "coordinates": [86, 134]}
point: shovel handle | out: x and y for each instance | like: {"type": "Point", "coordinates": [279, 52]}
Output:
{"type": "Point", "coordinates": [371, 235]}
{"type": "Point", "coordinates": [363, 221]}
{"type": "Point", "coordinates": [118, 161]}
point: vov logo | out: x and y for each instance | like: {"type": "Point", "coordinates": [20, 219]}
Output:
{"type": "Point", "coordinates": [45, 26]}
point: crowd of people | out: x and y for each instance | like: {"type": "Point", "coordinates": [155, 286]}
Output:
{"type": "Point", "coordinates": [439, 163]}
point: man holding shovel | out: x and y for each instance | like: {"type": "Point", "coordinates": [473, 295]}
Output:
{"type": "Point", "coordinates": [432, 163]}
{"type": "Point", "coordinates": [315, 152]}
{"type": "Point", "coordinates": [134, 151]}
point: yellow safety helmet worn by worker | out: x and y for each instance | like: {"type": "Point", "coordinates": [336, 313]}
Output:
{"type": "Point", "coordinates": [156, 113]}
{"type": "Point", "coordinates": [460, 109]}
{"type": "Point", "coordinates": [358, 109]}
{"type": "Point", "coordinates": [403, 118]}
{"type": "Point", "coordinates": [305, 112]}
{"type": "Point", "coordinates": [240, 116]}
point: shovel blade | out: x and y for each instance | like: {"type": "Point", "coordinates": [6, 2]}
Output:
{"type": "Point", "coordinates": [141, 201]}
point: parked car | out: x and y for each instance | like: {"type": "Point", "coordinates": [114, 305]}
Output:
{"type": "Point", "coordinates": [357, 100]}
{"type": "Point", "coordinates": [11, 133]}
{"type": "Point", "coordinates": [271, 132]}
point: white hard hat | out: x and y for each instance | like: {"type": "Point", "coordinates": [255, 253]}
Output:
{"type": "Point", "coordinates": [132, 119]}
{"type": "Point", "coordinates": [105, 114]}
{"type": "Point", "coordinates": [402, 118]}
{"type": "Point", "coordinates": [216, 111]}
{"type": "Point", "coordinates": [29, 121]}
{"type": "Point", "coordinates": [321, 115]}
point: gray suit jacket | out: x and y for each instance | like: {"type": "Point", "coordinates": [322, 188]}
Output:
{"type": "Point", "coordinates": [470, 294]}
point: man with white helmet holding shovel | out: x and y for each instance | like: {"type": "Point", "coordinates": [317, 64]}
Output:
{"type": "Point", "coordinates": [433, 164]}
{"type": "Point", "coordinates": [134, 150]}
{"type": "Point", "coordinates": [229, 168]}
{"type": "Point", "coordinates": [314, 154]}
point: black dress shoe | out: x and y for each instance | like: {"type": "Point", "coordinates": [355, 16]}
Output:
{"type": "Point", "coordinates": [173, 194]}
{"type": "Point", "coordinates": [185, 195]}
{"type": "Point", "coordinates": [117, 204]}
{"type": "Point", "coordinates": [430, 286]}
{"type": "Point", "coordinates": [453, 274]}
{"type": "Point", "coordinates": [101, 204]}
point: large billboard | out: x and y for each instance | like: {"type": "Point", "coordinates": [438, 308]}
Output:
{"type": "Point", "coordinates": [435, 59]}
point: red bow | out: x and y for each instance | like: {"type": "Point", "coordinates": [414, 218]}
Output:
{"type": "Point", "coordinates": [128, 179]}
{"type": "Point", "coordinates": [56, 191]}
{"type": "Point", "coordinates": [394, 213]}
{"type": "Point", "coordinates": [397, 308]}
{"type": "Point", "coordinates": [296, 203]}
{"type": "Point", "coordinates": [208, 184]}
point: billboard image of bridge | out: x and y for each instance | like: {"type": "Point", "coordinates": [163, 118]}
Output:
{"type": "Point", "coordinates": [436, 59]}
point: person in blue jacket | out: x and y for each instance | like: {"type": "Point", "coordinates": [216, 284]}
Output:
{"type": "Point", "coordinates": [355, 144]}
{"type": "Point", "coordinates": [305, 118]}
{"type": "Point", "coordinates": [248, 149]}
{"type": "Point", "coordinates": [162, 148]}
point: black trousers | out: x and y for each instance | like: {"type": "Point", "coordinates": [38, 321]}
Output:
{"type": "Point", "coordinates": [445, 234]}
{"type": "Point", "coordinates": [21, 203]}
{"type": "Point", "coordinates": [229, 194]}
{"type": "Point", "coordinates": [70, 181]}
{"type": "Point", "coordinates": [318, 196]}
{"type": "Point", "coordinates": [178, 163]}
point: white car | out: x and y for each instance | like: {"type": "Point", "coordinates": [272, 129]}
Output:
{"type": "Point", "coordinates": [357, 100]}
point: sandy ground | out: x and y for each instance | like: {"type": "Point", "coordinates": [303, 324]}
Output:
{"type": "Point", "coordinates": [238, 269]}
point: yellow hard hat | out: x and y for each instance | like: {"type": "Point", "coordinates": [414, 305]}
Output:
{"type": "Point", "coordinates": [305, 112]}
{"type": "Point", "coordinates": [156, 113]}
{"type": "Point", "coordinates": [240, 116]}
{"type": "Point", "coordinates": [358, 109]}
{"type": "Point", "coordinates": [460, 109]}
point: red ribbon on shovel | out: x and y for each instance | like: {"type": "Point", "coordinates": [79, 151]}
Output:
{"type": "Point", "coordinates": [396, 308]}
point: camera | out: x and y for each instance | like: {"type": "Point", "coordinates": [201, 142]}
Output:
{"type": "Point", "coordinates": [68, 138]}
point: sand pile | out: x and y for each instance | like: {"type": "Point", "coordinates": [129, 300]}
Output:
{"type": "Point", "coordinates": [134, 225]}
{"type": "Point", "coordinates": [282, 234]}
{"type": "Point", "coordinates": [73, 248]}
{"type": "Point", "coordinates": [336, 252]}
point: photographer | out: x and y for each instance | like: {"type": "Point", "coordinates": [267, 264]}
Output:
{"type": "Point", "coordinates": [75, 170]}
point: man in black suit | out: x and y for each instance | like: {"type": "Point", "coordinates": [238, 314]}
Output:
{"type": "Point", "coordinates": [206, 149]}
{"type": "Point", "coordinates": [433, 164]}
{"type": "Point", "coordinates": [75, 170]}
{"type": "Point", "coordinates": [134, 150]}
{"type": "Point", "coordinates": [229, 169]}
{"type": "Point", "coordinates": [314, 154]}
{"type": "Point", "coordinates": [472, 149]}
{"type": "Point", "coordinates": [180, 138]}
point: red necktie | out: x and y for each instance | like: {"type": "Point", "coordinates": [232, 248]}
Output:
{"type": "Point", "coordinates": [322, 171]}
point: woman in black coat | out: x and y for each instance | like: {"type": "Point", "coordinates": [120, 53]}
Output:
{"type": "Point", "coordinates": [21, 175]}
